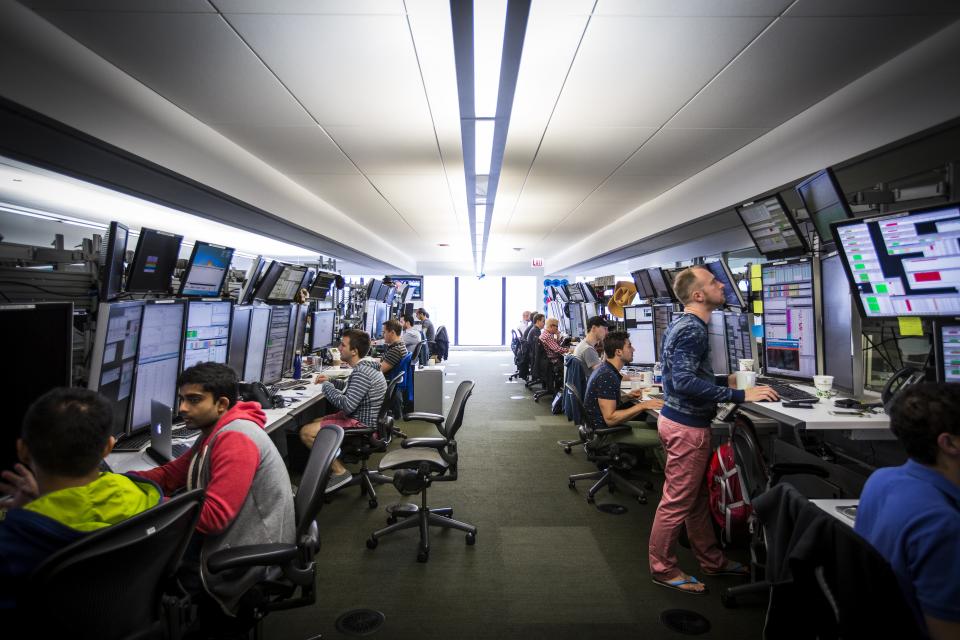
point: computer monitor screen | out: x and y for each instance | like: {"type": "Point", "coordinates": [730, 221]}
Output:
{"type": "Point", "coordinates": [824, 202]}
{"type": "Point", "coordinates": [373, 289]}
{"type": "Point", "coordinates": [731, 291]}
{"type": "Point", "coordinates": [256, 344]}
{"type": "Point", "coordinates": [253, 274]}
{"type": "Point", "coordinates": [577, 327]}
{"type": "Point", "coordinates": [838, 321]}
{"type": "Point", "coordinates": [321, 285]}
{"type": "Point", "coordinates": [589, 295]}
{"type": "Point", "coordinates": [266, 283]}
{"type": "Point", "coordinates": [295, 333]}
{"type": "Point", "coordinates": [114, 357]}
{"type": "Point", "coordinates": [661, 284]}
{"type": "Point", "coordinates": [321, 329]}
{"type": "Point", "coordinates": [158, 360]}
{"type": "Point", "coordinates": [207, 338]}
{"type": "Point", "coordinates": [276, 343]}
{"type": "Point", "coordinates": [772, 228]}
{"type": "Point", "coordinates": [641, 339]}
{"type": "Point", "coordinates": [717, 339]}
{"type": "Point", "coordinates": [740, 342]}
{"type": "Point", "coordinates": [416, 286]}
{"type": "Point", "coordinates": [947, 339]}
{"type": "Point", "coordinates": [390, 292]}
{"type": "Point", "coordinates": [641, 279]}
{"type": "Point", "coordinates": [662, 314]}
{"type": "Point", "coordinates": [239, 334]}
{"type": "Point", "coordinates": [153, 261]}
{"type": "Point", "coordinates": [33, 375]}
{"type": "Point", "coordinates": [206, 270]}
{"type": "Point", "coordinates": [789, 326]}
{"type": "Point", "coordinates": [288, 284]}
{"type": "Point", "coordinates": [906, 264]}
{"type": "Point", "coordinates": [111, 261]}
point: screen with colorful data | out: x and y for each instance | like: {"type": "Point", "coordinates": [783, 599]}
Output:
{"type": "Point", "coordinates": [947, 337]}
{"type": "Point", "coordinates": [772, 228]}
{"type": "Point", "coordinates": [789, 325]}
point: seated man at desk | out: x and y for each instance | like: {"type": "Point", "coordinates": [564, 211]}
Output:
{"type": "Point", "coordinates": [691, 393]}
{"type": "Point", "coordinates": [357, 399]}
{"type": "Point", "coordinates": [597, 329]}
{"type": "Point", "coordinates": [411, 335]}
{"type": "Point", "coordinates": [396, 349]}
{"type": "Point", "coordinates": [603, 397]}
{"type": "Point", "coordinates": [66, 434]}
{"type": "Point", "coordinates": [911, 513]}
{"type": "Point", "coordinates": [426, 324]}
{"type": "Point", "coordinates": [550, 339]}
{"type": "Point", "coordinates": [249, 499]}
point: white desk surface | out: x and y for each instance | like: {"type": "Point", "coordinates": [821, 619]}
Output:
{"type": "Point", "coordinates": [818, 417]}
{"type": "Point", "coordinates": [830, 506]}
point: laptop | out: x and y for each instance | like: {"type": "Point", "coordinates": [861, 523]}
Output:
{"type": "Point", "coordinates": [161, 448]}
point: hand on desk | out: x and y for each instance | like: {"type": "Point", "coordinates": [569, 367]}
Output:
{"type": "Point", "coordinates": [651, 405]}
{"type": "Point", "coordinates": [20, 484]}
{"type": "Point", "coordinates": [761, 393]}
{"type": "Point", "coordinates": [320, 379]}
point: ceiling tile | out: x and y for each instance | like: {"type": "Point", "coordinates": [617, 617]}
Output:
{"type": "Point", "coordinates": [690, 8]}
{"type": "Point", "coordinates": [140, 6]}
{"type": "Point", "coordinates": [381, 149]}
{"type": "Point", "coordinates": [873, 8]}
{"type": "Point", "coordinates": [674, 152]}
{"type": "Point", "coordinates": [306, 7]}
{"type": "Point", "coordinates": [290, 149]}
{"type": "Point", "coordinates": [575, 151]}
{"type": "Point", "coordinates": [355, 197]}
{"type": "Point", "coordinates": [632, 191]}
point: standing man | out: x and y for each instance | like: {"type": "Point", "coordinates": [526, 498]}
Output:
{"type": "Point", "coordinates": [691, 392]}
{"type": "Point", "coordinates": [911, 513]}
{"type": "Point", "coordinates": [428, 329]}
{"type": "Point", "coordinates": [587, 350]}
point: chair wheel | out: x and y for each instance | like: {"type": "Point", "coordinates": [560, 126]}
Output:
{"type": "Point", "coordinates": [372, 542]}
{"type": "Point", "coordinates": [727, 600]}
{"type": "Point", "coordinates": [471, 539]}
{"type": "Point", "coordinates": [571, 484]}
{"type": "Point", "coordinates": [392, 520]}
{"type": "Point", "coordinates": [642, 499]}
{"type": "Point", "coordinates": [373, 503]}
{"type": "Point", "coordinates": [566, 449]}
{"type": "Point", "coordinates": [422, 555]}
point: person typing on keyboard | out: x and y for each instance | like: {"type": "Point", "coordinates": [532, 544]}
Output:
{"type": "Point", "coordinates": [691, 393]}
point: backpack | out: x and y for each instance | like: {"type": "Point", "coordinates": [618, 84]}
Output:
{"type": "Point", "coordinates": [727, 505]}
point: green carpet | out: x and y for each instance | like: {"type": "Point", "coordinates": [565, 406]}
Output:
{"type": "Point", "coordinates": [546, 563]}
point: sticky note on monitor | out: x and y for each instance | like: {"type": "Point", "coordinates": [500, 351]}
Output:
{"type": "Point", "coordinates": [910, 326]}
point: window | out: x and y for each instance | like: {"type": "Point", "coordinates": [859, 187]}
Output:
{"type": "Point", "coordinates": [481, 311]}
{"type": "Point", "coordinates": [523, 294]}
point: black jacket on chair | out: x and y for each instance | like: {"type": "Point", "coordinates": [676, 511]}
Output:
{"type": "Point", "coordinates": [827, 581]}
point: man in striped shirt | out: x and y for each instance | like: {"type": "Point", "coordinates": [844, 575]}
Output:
{"type": "Point", "coordinates": [357, 399]}
{"type": "Point", "coordinates": [549, 340]}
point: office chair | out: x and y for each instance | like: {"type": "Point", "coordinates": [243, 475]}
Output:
{"type": "Point", "coordinates": [612, 459]}
{"type": "Point", "coordinates": [117, 582]}
{"type": "Point", "coordinates": [291, 578]}
{"type": "Point", "coordinates": [517, 348]}
{"type": "Point", "coordinates": [403, 370]}
{"type": "Point", "coordinates": [575, 374]}
{"type": "Point", "coordinates": [415, 353]}
{"type": "Point", "coordinates": [359, 444]}
{"type": "Point", "coordinates": [549, 373]}
{"type": "Point", "coordinates": [756, 477]}
{"type": "Point", "coordinates": [420, 463]}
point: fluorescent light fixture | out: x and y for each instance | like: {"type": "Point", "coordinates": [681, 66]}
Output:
{"type": "Point", "coordinates": [483, 142]}
{"type": "Point", "coordinates": [489, 20]}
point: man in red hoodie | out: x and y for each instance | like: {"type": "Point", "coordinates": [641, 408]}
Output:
{"type": "Point", "coordinates": [249, 499]}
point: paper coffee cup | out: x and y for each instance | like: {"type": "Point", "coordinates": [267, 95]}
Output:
{"type": "Point", "coordinates": [824, 385]}
{"type": "Point", "coordinates": [746, 379]}
{"type": "Point", "coordinates": [746, 364]}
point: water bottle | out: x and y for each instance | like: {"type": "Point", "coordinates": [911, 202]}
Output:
{"type": "Point", "coordinates": [657, 373]}
{"type": "Point", "coordinates": [297, 366]}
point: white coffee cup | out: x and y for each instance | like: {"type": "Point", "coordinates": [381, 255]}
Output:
{"type": "Point", "coordinates": [824, 385]}
{"type": "Point", "coordinates": [746, 379]}
{"type": "Point", "coordinates": [645, 378]}
{"type": "Point", "coordinates": [746, 364]}
{"type": "Point", "coordinates": [636, 384]}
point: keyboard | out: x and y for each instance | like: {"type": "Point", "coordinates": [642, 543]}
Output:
{"type": "Point", "coordinates": [184, 432]}
{"type": "Point", "coordinates": [655, 396]}
{"type": "Point", "coordinates": [287, 384]}
{"type": "Point", "coordinates": [786, 391]}
{"type": "Point", "coordinates": [179, 449]}
{"type": "Point", "coordinates": [133, 442]}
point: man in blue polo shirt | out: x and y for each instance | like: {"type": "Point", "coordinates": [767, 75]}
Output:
{"type": "Point", "coordinates": [911, 513]}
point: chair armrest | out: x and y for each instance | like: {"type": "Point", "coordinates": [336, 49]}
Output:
{"type": "Point", "coordinates": [254, 555]}
{"type": "Point", "coordinates": [424, 443]}
{"type": "Point", "coordinates": [359, 431]}
{"type": "Point", "coordinates": [435, 418]}
{"type": "Point", "coordinates": [780, 469]}
{"type": "Point", "coordinates": [608, 430]}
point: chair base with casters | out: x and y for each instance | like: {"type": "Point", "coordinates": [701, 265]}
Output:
{"type": "Point", "coordinates": [613, 463]}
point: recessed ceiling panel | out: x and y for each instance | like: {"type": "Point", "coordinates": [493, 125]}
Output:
{"type": "Point", "coordinates": [691, 8]}
{"type": "Point", "coordinates": [343, 7]}
{"type": "Point", "coordinates": [355, 197]}
{"type": "Point", "coordinates": [673, 152]}
{"type": "Point", "coordinates": [382, 149]}
{"type": "Point", "coordinates": [575, 151]}
{"type": "Point", "coordinates": [290, 149]}
{"type": "Point", "coordinates": [140, 6]}
{"type": "Point", "coordinates": [874, 8]}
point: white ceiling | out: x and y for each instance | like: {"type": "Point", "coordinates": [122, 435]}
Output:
{"type": "Point", "coordinates": [355, 102]}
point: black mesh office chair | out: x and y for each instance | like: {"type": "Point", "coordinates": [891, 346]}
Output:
{"type": "Point", "coordinates": [291, 569]}
{"type": "Point", "coordinates": [421, 462]}
{"type": "Point", "coordinates": [756, 477]}
{"type": "Point", "coordinates": [550, 374]}
{"type": "Point", "coordinates": [574, 392]}
{"type": "Point", "coordinates": [613, 460]}
{"type": "Point", "coordinates": [359, 444]}
{"type": "Point", "coordinates": [117, 582]}
{"type": "Point", "coordinates": [518, 348]}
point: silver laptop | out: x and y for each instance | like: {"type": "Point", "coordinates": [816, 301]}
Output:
{"type": "Point", "coordinates": [161, 434]}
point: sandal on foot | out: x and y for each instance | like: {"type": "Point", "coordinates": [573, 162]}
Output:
{"type": "Point", "coordinates": [677, 585]}
{"type": "Point", "coordinates": [732, 569]}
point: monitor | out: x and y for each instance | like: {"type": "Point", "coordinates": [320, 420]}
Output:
{"type": "Point", "coordinates": [641, 279]}
{"type": "Point", "coordinates": [732, 292]}
{"type": "Point", "coordinates": [288, 284]}
{"type": "Point", "coordinates": [321, 284]}
{"type": "Point", "coordinates": [772, 228]}
{"type": "Point", "coordinates": [295, 333]}
{"type": "Point", "coordinates": [373, 289]}
{"type": "Point", "coordinates": [33, 375]}
{"type": "Point", "coordinates": [207, 338]}
{"type": "Point", "coordinates": [256, 344]}
{"type": "Point", "coordinates": [276, 343]}
{"type": "Point", "coordinates": [589, 295]}
{"type": "Point", "coordinates": [239, 334]}
{"type": "Point", "coordinates": [267, 281]}
{"type": "Point", "coordinates": [153, 261]}
{"type": "Point", "coordinates": [641, 339]}
{"type": "Point", "coordinates": [740, 341]}
{"type": "Point", "coordinates": [249, 284]}
{"type": "Point", "coordinates": [575, 292]}
{"type": "Point", "coordinates": [842, 352]}
{"type": "Point", "coordinates": [322, 329]}
{"type": "Point", "coordinates": [416, 286]}
{"type": "Point", "coordinates": [717, 339]}
{"type": "Point", "coordinates": [206, 270]}
{"type": "Point", "coordinates": [824, 201]}
{"type": "Point", "coordinates": [114, 356]}
{"type": "Point", "coordinates": [662, 315]}
{"type": "Point", "coordinates": [390, 292]}
{"type": "Point", "coordinates": [905, 264]}
{"type": "Point", "coordinates": [662, 285]}
{"type": "Point", "coordinates": [789, 324]}
{"type": "Point", "coordinates": [947, 340]}
{"type": "Point", "coordinates": [112, 256]}
{"type": "Point", "coordinates": [158, 360]}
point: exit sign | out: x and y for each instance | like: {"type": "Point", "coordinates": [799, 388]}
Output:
{"type": "Point", "coordinates": [536, 263]}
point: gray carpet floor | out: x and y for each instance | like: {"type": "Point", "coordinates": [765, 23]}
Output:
{"type": "Point", "coordinates": [546, 563]}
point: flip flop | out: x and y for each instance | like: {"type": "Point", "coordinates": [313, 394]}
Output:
{"type": "Point", "coordinates": [732, 569]}
{"type": "Point", "coordinates": [677, 585]}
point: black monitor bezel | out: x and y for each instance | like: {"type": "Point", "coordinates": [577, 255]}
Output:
{"type": "Point", "coordinates": [186, 322]}
{"type": "Point", "coordinates": [131, 428]}
{"type": "Point", "coordinates": [253, 274]}
{"type": "Point", "coordinates": [186, 272]}
{"type": "Point", "coordinates": [803, 249]}
{"type": "Point", "coordinates": [313, 327]}
{"type": "Point", "coordinates": [408, 280]}
{"type": "Point", "coordinates": [269, 278]}
{"type": "Point", "coordinates": [732, 282]}
{"type": "Point", "coordinates": [138, 256]}
{"type": "Point", "coordinates": [842, 197]}
{"type": "Point", "coordinates": [670, 295]}
{"type": "Point", "coordinates": [642, 290]}
{"type": "Point", "coordinates": [937, 325]}
{"type": "Point", "coordinates": [290, 267]}
{"type": "Point", "coordinates": [817, 338]}
{"type": "Point", "coordinates": [321, 285]}
{"type": "Point", "coordinates": [111, 280]}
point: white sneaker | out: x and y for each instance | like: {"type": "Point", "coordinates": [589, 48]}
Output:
{"type": "Point", "coordinates": [337, 481]}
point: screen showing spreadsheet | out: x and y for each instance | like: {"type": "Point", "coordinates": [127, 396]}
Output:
{"type": "Point", "coordinates": [771, 228]}
{"type": "Point", "coordinates": [717, 339]}
{"type": "Point", "coordinates": [905, 264]}
{"type": "Point", "coordinates": [289, 283]}
{"type": "Point", "coordinates": [947, 337]}
{"type": "Point", "coordinates": [276, 343]}
{"type": "Point", "coordinates": [740, 342]}
{"type": "Point", "coordinates": [158, 360]}
{"type": "Point", "coordinates": [239, 333]}
{"type": "Point", "coordinates": [114, 356]}
{"type": "Point", "coordinates": [789, 326]}
{"type": "Point", "coordinates": [256, 344]}
{"type": "Point", "coordinates": [207, 338]}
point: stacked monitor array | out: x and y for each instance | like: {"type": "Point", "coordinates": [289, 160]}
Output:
{"type": "Point", "coordinates": [158, 359]}
{"type": "Point", "coordinates": [842, 350]}
{"type": "Point", "coordinates": [947, 340]}
{"type": "Point", "coordinates": [772, 229]}
{"type": "Point", "coordinates": [653, 283]}
{"type": "Point", "coordinates": [789, 323]}
{"type": "Point", "coordinates": [825, 203]}
{"type": "Point", "coordinates": [207, 337]}
{"type": "Point", "coordinates": [639, 323]}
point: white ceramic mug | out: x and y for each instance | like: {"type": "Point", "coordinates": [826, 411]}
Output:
{"type": "Point", "coordinates": [824, 385]}
{"type": "Point", "coordinates": [746, 364]}
{"type": "Point", "coordinates": [746, 379]}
